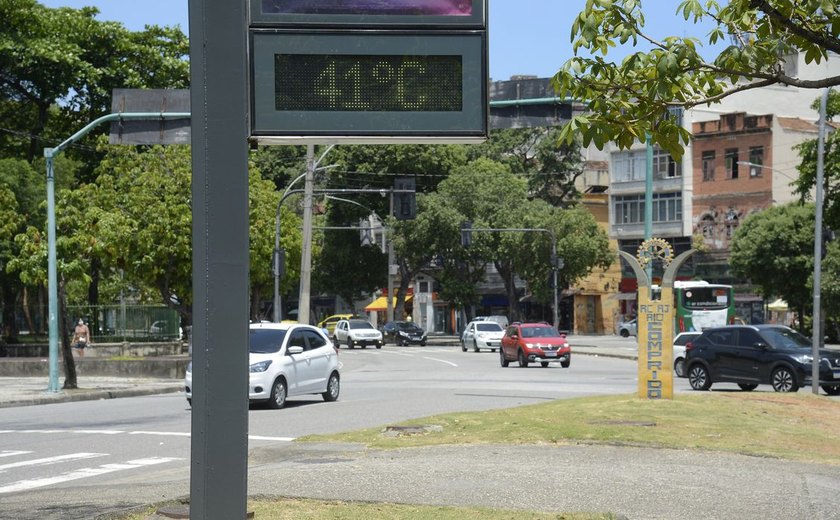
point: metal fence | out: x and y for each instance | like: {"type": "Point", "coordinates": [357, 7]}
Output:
{"type": "Point", "coordinates": [116, 323]}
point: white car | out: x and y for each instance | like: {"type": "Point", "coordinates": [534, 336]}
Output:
{"type": "Point", "coordinates": [679, 351]}
{"type": "Point", "coordinates": [287, 359]}
{"type": "Point", "coordinates": [356, 333]}
{"type": "Point", "coordinates": [482, 334]}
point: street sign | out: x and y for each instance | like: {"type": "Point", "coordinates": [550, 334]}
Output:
{"type": "Point", "coordinates": [150, 131]}
{"type": "Point", "coordinates": [370, 13]}
{"type": "Point", "coordinates": [365, 71]}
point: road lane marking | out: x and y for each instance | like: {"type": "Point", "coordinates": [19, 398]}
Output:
{"type": "Point", "coordinates": [51, 460]}
{"type": "Point", "coordinates": [25, 485]}
{"type": "Point", "coordinates": [138, 432]}
{"type": "Point", "coordinates": [9, 453]}
{"type": "Point", "coordinates": [440, 361]}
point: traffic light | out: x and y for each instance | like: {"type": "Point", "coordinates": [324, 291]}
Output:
{"type": "Point", "coordinates": [405, 202]}
{"type": "Point", "coordinates": [279, 262]}
{"type": "Point", "coordinates": [827, 236]}
{"type": "Point", "coordinates": [365, 233]}
{"type": "Point", "coordinates": [466, 234]}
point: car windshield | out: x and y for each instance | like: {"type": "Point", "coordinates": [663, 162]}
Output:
{"type": "Point", "coordinates": [405, 325]}
{"type": "Point", "coordinates": [786, 338]}
{"type": "Point", "coordinates": [359, 324]}
{"type": "Point", "coordinates": [490, 326]}
{"type": "Point", "coordinates": [682, 339]}
{"type": "Point", "coordinates": [539, 332]}
{"type": "Point", "coordinates": [266, 341]}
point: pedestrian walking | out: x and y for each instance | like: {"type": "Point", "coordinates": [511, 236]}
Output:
{"type": "Point", "coordinates": [81, 338]}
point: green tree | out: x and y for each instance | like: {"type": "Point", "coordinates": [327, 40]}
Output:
{"type": "Point", "coordinates": [774, 249]}
{"type": "Point", "coordinates": [59, 67]}
{"type": "Point", "coordinates": [550, 164]}
{"type": "Point", "coordinates": [630, 99]}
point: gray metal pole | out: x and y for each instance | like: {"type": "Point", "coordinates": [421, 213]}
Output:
{"type": "Point", "coordinates": [649, 198]}
{"type": "Point", "coordinates": [219, 104]}
{"type": "Point", "coordinates": [816, 332]}
{"type": "Point", "coordinates": [554, 269]}
{"type": "Point", "coordinates": [52, 277]}
{"type": "Point", "coordinates": [306, 246]}
{"type": "Point", "coordinates": [389, 313]}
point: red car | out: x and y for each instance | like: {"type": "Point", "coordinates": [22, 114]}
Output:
{"type": "Point", "coordinates": [535, 342]}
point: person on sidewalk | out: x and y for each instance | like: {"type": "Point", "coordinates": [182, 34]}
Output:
{"type": "Point", "coordinates": [81, 338]}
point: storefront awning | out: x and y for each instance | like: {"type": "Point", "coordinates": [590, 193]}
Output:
{"type": "Point", "coordinates": [381, 304]}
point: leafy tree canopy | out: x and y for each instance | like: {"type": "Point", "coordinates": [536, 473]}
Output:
{"type": "Point", "coordinates": [630, 99]}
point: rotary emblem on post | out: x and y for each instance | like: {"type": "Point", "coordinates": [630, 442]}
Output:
{"type": "Point", "coordinates": [655, 248]}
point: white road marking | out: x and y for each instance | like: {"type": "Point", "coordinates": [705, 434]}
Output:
{"type": "Point", "coordinates": [9, 453]}
{"type": "Point", "coordinates": [440, 361]}
{"type": "Point", "coordinates": [114, 432]}
{"type": "Point", "coordinates": [24, 485]}
{"type": "Point", "coordinates": [51, 460]}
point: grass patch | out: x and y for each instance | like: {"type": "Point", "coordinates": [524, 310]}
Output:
{"type": "Point", "coordinates": [303, 509]}
{"type": "Point", "coordinates": [799, 426]}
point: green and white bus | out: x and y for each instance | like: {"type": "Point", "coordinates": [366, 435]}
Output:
{"type": "Point", "coordinates": [699, 305]}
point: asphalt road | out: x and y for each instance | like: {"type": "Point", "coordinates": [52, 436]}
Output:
{"type": "Point", "coordinates": [78, 460]}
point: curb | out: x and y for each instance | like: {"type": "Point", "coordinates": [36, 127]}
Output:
{"type": "Point", "coordinates": [89, 395]}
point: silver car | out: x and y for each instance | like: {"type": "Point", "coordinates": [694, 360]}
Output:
{"type": "Point", "coordinates": [627, 328]}
{"type": "Point", "coordinates": [482, 334]}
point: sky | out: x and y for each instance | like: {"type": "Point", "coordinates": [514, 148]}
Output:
{"type": "Point", "coordinates": [530, 37]}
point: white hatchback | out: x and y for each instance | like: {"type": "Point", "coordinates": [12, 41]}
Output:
{"type": "Point", "coordinates": [482, 334]}
{"type": "Point", "coordinates": [287, 359]}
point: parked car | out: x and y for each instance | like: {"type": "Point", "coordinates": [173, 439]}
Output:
{"type": "Point", "coordinates": [482, 334]}
{"type": "Point", "coordinates": [534, 342]}
{"type": "Point", "coordinates": [627, 328]}
{"type": "Point", "coordinates": [287, 360]}
{"type": "Point", "coordinates": [356, 332]}
{"type": "Point", "coordinates": [404, 333]}
{"type": "Point", "coordinates": [679, 351]}
{"type": "Point", "coordinates": [751, 355]}
{"type": "Point", "coordinates": [330, 321]}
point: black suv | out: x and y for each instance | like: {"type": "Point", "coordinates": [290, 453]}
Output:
{"type": "Point", "coordinates": [750, 355]}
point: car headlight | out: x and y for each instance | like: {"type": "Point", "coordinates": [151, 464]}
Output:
{"type": "Point", "coordinates": [262, 366]}
{"type": "Point", "coordinates": [403, 333]}
{"type": "Point", "coordinates": [804, 358]}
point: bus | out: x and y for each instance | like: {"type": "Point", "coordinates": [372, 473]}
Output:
{"type": "Point", "coordinates": [699, 305]}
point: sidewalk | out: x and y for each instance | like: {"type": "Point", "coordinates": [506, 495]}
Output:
{"type": "Point", "coordinates": [27, 391]}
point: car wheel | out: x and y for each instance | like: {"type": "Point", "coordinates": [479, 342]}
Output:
{"type": "Point", "coordinates": [463, 347]}
{"type": "Point", "coordinates": [523, 361]}
{"type": "Point", "coordinates": [679, 367]}
{"type": "Point", "coordinates": [475, 346]}
{"type": "Point", "coordinates": [544, 364]}
{"type": "Point", "coordinates": [565, 364]}
{"type": "Point", "coordinates": [349, 343]}
{"type": "Point", "coordinates": [278, 394]}
{"type": "Point", "coordinates": [783, 380]}
{"type": "Point", "coordinates": [747, 387]}
{"type": "Point", "coordinates": [624, 333]}
{"type": "Point", "coordinates": [189, 401]}
{"type": "Point", "coordinates": [503, 359]}
{"type": "Point", "coordinates": [333, 388]}
{"type": "Point", "coordinates": [698, 377]}
{"type": "Point", "coordinates": [831, 390]}
{"type": "Point", "coordinates": [423, 343]}
{"type": "Point", "coordinates": [335, 342]}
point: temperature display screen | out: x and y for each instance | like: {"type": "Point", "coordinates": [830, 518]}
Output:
{"type": "Point", "coordinates": [368, 83]}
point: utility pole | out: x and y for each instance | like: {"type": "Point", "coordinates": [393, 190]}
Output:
{"type": "Point", "coordinates": [389, 313]}
{"type": "Point", "coordinates": [816, 322]}
{"type": "Point", "coordinates": [306, 249]}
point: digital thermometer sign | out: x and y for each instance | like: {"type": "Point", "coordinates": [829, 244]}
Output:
{"type": "Point", "coordinates": [339, 83]}
{"type": "Point", "coordinates": [377, 83]}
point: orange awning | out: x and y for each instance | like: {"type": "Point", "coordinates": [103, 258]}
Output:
{"type": "Point", "coordinates": [381, 304]}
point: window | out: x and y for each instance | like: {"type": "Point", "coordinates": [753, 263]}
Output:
{"type": "Point", "coordinates": [756, 160]}
{"type": "Point", "coordinates": [629, 166]}
{"type": "Point", "coordinates": [314, 339]}
{"type": "Point", "coordinates": [731, 163]}
{"type": "Point", "coordinates": [630, 209]}
{"type": "Point", "coordinates": [424, 287]}
{"type": "Point", "coordinates": [664, 166]}
{"type": "Point", "coordinates": [748, 338]}
{"type": "Point", "coordinates": [296, 339]}
{"type": "Point", "coordinates": [708, 163]}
